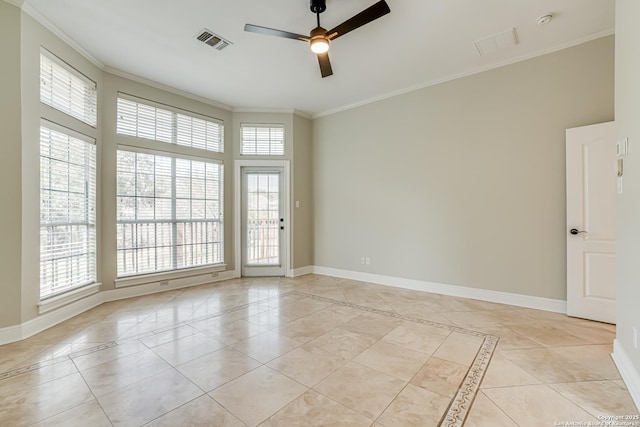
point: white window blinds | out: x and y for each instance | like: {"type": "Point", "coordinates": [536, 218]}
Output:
{"type": "Point", "coordinates": [262, 140]}
{"type": "Point", "coordinates": [169, 213]}
{"type": "Point", "coordinates": [67, 210]}
{"type": "Point", "coordinates": [144, 120]}
{"type": "Point", "coordinates": [65, 89]}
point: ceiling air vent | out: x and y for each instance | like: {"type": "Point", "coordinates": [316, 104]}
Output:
{"type": "Point", "coordinates": [213, 40]}
{"type": "Point", "coordinates": [496, 42]}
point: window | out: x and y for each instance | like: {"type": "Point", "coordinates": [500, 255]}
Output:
{"type": "Point", "coordinates": [169, 213]}
{"type": "Point", "coordinates": [67, 181]}
{"type": "Point", "coordinates": [169, 200]}
{"type": "Point", "coordinates": [66, 90]}
{"type": "Point", "coordinates": [144, 120]}
{"type": "Point", "coordinates": [67, 210]}
{"type": "Point", "coordinates": [262, 140]}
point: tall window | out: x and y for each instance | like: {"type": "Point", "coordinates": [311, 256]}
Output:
{"type": "Point", "coordinates": [67, 210]}
{"type": "Point", "coordinates": [169, 125]}
{"type": "Point", "coordinates": [262, 140]}
{"type": "Point", "coordinates": [169, 205]}
{"type": "Point", "coordinates": [67, 181]}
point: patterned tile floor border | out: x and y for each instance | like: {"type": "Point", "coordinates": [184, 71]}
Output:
{"type": "Point", "coordinates": [454, 416]}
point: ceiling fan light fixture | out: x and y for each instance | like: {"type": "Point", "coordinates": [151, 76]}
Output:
{"type": "Point", "coordinates": [319, 44]}
{"type": "Point", "coordinates": [319, 37]}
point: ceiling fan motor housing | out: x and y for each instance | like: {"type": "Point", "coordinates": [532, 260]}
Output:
{"type": "Point", "coordinates": [318, 6]}
{"type": "Point", "coordinates": [318, 32]}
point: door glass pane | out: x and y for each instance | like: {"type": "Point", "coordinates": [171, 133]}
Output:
{"type": "Point", "coordinates": [263, 219]}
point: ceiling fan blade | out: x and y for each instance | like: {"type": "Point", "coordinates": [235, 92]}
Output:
{"type": "Point", "coordinates": [277, 33]}
{"type": "Point", "coordinates": [370, 14]}
{"type": "Point", "coordinates": [325, 65]}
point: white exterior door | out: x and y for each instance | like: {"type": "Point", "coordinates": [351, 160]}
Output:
{"type": "Point", "coordinates": [263, 222]}
{"type": "Point", "coordinates": [591, 222]}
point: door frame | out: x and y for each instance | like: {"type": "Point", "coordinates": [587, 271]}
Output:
{"type": "Point", "coordinates": [258, 270]}
{"type": "Point", "coordinates": [237, 214]}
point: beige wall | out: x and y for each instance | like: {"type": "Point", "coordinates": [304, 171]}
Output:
{"type": "Point", "coordinates": [10, 165]}
{"type": "Point", "coordinates": [302, 192]}
{"type": "Point", "coordinates": [628, 125]}
{"type": "Point", "coordinates": [33, 37]}
{"type": "Point", "coordinates": [462, 183]}
{"type": "Point", "coordinates": [297, 134]}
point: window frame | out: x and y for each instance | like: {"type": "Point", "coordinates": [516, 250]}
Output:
{"type": "Point", "coordinates": [91, 220]}
{"type": "Point", "coordinates": [172, 130]}
{"type": "Point", "coordinates": [162, 148]}
{"type": "Point", "coordinates": [133, 278]}
{"type": "Point", "coordinates": [90, 86]}
{"type": "Point", "coordinates": [257, 126]}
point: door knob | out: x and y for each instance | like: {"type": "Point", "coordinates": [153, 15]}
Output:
{"type": "Point", "coordinates": [575, 231]}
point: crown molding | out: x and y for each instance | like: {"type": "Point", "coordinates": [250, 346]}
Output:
{"type": "Point", "coordinates": [16, 3]}
{"type": "Point", "coordinates": [35, 14]}
{"type": "Point", "coordinates": [26, 7]}
{"type": "Point", "coordinates": [445, 79]}
{"type": "Point", "coordinates": [297, 112]}
{"type": "Point", "coordinates": [166, 88]}
{"type": "Point", "coordinates": [302, 114]}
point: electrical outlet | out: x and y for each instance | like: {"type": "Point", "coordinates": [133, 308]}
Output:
{"type": "Point", "coordinates": [635, 338]}
{"type": "Point", "coordinates": [164, 283]}
{"type": "Point", "coordinates": [367, 261]}
{"type": "Point", "coordinates": [362, 260]}
{"type": "Point", "coordinates": [620, 187]}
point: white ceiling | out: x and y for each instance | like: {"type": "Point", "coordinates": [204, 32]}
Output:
{"type": "Point", "coordinates": [419, 43]}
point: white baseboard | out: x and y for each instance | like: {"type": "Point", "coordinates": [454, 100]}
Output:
{"type": "Point", "coordinates": [10, 334]}
{"type": "Point", "coordinates": [52, 318]}
{"type": "Point", "coordinates": [167, 277]}
{"type": "Point", "coordinates": [547, 304]}
{"type": "Point", "coordinates": [59, 315]}
{"type": "Point", "coordinates": [628, 372]}
{"type": "Point", "coordinates": [47, 320]}
{"type": "Point", "coordinates": [155, 287]}
{"type": "Point", "coordinates": [301, 271]}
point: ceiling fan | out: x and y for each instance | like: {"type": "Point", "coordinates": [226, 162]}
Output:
{"type": "Point", "coordinates": [319, 37]}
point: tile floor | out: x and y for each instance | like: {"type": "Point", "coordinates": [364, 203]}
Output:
{"type": "Point", "coordinates": [311, 351]}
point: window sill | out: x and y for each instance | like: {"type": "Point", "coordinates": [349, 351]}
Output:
{"type": "Point", "coordinates": [144, 279]}
{"type": "Point", "coordinates": [58, 301]}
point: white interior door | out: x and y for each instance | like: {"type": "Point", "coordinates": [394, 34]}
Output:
{"type": "Point", "coordinates": [591, 222]}
{"type": "Point", "coordinates": [263, 222]}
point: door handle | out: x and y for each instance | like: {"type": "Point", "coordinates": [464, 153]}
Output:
{"type": "Point", "coordinates": [575, 231]}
